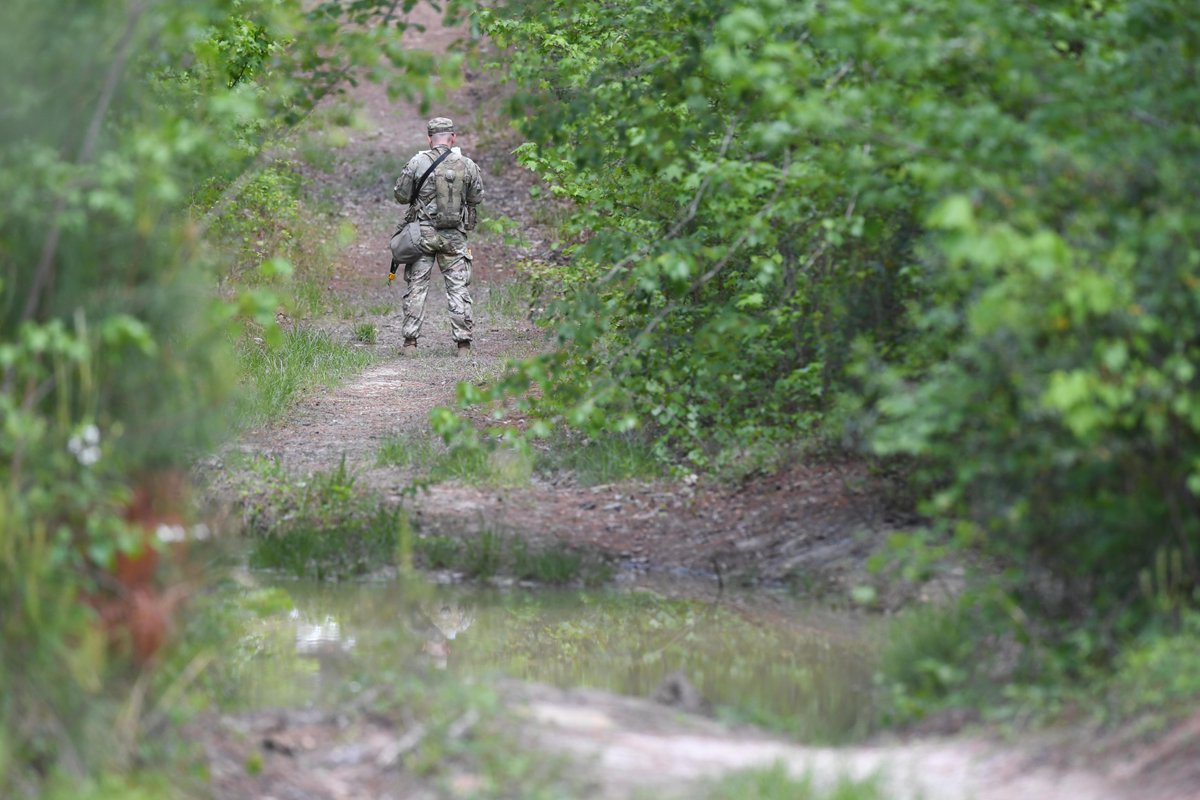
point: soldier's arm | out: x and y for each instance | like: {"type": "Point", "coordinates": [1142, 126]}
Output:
{"type": "Point", "coordinates": [404, 184]}
{"type": "Point", "coordinates": [472, 196]}
{"type": "Point", "coordinates": [474, 190]}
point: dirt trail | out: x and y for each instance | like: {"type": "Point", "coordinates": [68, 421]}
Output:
{"type": "Point", "coordinates": [801, 519]}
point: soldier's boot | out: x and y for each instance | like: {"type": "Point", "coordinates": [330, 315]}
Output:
{"type": "Point", "coordinates": [410, 347]}
{"type": "Point", "coordinates": [464, 348]}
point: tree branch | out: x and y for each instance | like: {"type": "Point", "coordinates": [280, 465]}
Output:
{"type": "Point", "coordinates": [44, 273]}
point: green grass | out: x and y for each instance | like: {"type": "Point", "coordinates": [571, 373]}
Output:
{"type": "Point", "coordinates": [438, 552]}
{"type": "Point", "coordinates": [483, 555]}
{"type": "Point", "coordinates": [314, 151]}
{"type": "Point", "coordinates": [366, 333]}
{"type": "Point", "coordinates": [612, 458]}
{"type": "Point", "coordinates": [555, 566]}
{"type": "Point", "coordinates": [276, 377]}
{"type": "Point", "coordinates": [506, 299]}
{"type": "Point", "coordinates": [775, 784]}
{"type": "Point", "coordinates": [138, 785]}
{"type": "Point", "coordinates": [346, 547]}
{"type": "Point", "coordinates": [476, 467]}
{"type": "Point", "coordinates": [490, 554]}
{"type": "Point", "coordinates": [378, 173]}
{"type": "Point", "coordinates": [500, 467]}
{"type": "Point", "coordinates": [407, 450]}
{"type": "Point", "coordinates": [327, 526]}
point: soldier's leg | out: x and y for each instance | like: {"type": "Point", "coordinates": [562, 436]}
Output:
{"type": "Point", "coordinates": [455, 264]}
{"type": "Point", "coordinates": [417, 277]}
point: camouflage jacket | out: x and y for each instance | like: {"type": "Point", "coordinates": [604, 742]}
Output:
{"type": "Point", "coordinates": [426, 205]}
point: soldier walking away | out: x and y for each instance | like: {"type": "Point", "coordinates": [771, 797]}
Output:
{"type": "Point", "coordinates": [443, 189]}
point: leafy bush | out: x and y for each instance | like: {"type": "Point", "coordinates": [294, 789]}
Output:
{"type": "Point", "coordinates": [969, 224]}
{"type": "Point", "coordinates": [131, 133]}
{"type": "Point", "coordinates": [1157, 675]}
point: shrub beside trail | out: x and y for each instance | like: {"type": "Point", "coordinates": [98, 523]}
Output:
{"type": "Point", "coordinates": [960, 239]}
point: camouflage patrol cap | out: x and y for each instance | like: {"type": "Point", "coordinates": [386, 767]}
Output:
{"type": "Point", "coordinates": [440, 125]}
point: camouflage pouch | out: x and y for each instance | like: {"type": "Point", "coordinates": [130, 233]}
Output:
{"type": "Point", "coordinates": [405, 244]}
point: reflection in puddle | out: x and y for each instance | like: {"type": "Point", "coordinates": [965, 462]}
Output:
{"type": "Point", "coordinates": [807, 671]}
{"type": "Point", "coordinates": [437, 623]}
{"type": "Point", "coordinates": [314, 639]}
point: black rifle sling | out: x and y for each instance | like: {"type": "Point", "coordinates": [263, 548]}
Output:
{"type": "Point", "coordinates": [416, 191]}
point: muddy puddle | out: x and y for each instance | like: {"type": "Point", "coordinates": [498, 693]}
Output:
{"type": "Point", "coordinates": [806, 672]}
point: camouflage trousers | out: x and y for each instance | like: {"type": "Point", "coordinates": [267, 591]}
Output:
{"type": "Point", "coordinates": [449, 249]}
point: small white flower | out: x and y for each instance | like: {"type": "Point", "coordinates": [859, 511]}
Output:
{"type": "Point", "coordinates": [169, 534]}
{"type": "Point", "coordinates": [201, 532]}
{"type": "Point", "coordinates": [85, 445]}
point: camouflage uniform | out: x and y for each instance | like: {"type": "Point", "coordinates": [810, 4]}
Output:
{"type": "Point", "coordinates": [446, 245]}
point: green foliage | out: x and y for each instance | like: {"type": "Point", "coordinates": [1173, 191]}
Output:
{"type": "Point", "coordinates": [775, 783]}
{"type": "Point", "coordinates": [930, 661]}
{"type": "Point", "coordinates": [260, 219]}
{"type": "Point", "coordinates": [722, 269]}
{"type": "Point", "coordinates": [971, 229]}
{"type": "Point", "coordinates": [1156, 678]}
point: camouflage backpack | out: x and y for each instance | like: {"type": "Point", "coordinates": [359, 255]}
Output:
{"type": "Point", "coordinates": [450, 184]}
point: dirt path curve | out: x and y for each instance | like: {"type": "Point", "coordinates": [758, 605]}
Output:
{"type": "Point", "coordinates": [635, 747]}
{"type": "Point", "coordinates": [797, 520]}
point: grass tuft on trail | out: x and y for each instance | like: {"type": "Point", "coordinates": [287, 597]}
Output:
{"type": "Point", "coordinates": [611, 458]}
{"type": "Point", "coordinates": [503, 466]}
